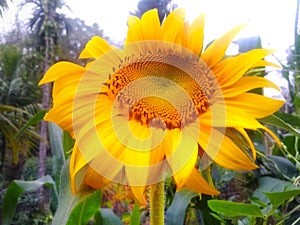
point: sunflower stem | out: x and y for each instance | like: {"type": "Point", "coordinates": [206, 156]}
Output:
{"type": "Point", "coordinates": [157, 203]}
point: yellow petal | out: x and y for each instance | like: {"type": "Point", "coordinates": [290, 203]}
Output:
{"type": "Point", "coordinates": [77, 162]}
{"type": "Point", "coordinates": [64, 90]}
{"type": "Point", "coordinates": [61, 69]}
{"type": "Point", "coordinates": [271, 134]}
{"type": "Point", "coordinates": [181, 177]}
{"type": "Point", "coordinates": [138, 193]}
{"type": "Point", "coordinates": [255, 105]}
{"type": "Point", "coordinates": [197, 183]}
{"type": "Point", "coordinates": [223, 151]}
{"type": "Point", "coordinates": [232, 69]}
{"type": "Point", "coordinates": [247, 138]}
{"type": "Point", "coordinates": [133, 146]}
{"type": "Point", "coordinates": [216, 51]}
{"type": "Point", "coordinates": [173, 25]}
{"type": "Point", "coordinates": [134, 32]}
{"type": "Point", "coordinates": [61, 116]}
{"type": "Point", "coordinates": [197, 34]}
{"type": "Point", "coordinates": [181, 154]}
{"type": "Point", "coordinates": [150, 25]}
{"type": "Point", "coordinates": [267, 63]}
{"type": "Point", "coordinates": [100, 148]}
{"type": "Point", "coordinates": [143, 157]}
{"type": "Point", "coordinates": [93, 179]}
{"type": "Point", "coordinates": [186, 36]}
{"type": "Point", "coordinates": [231, 117]}
{"type": "Point", "coordinates": [231, 157]}
{"type": "Point", "coordinates": [95, 48]}
{"type": "Point", "coordinates": [245, 84]}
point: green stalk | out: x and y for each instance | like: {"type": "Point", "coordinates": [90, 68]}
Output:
{"type": "Point", "coordinates": [157, 203]}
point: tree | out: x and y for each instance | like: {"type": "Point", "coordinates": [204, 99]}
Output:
{"type": "Point", "coordinates": [78, 35]}
{"type": "Point", "coordinates": [163, 6]}
{"type": "Point", "coordinates": [44, 24]}
{"type": "Point", "coordinates": [292, 67]}
{"type": "Point", "coordinates": [15, 99]}
{"type": "Point", "coordinates": [15, 87]}
{"type": "Point", "coordinates": [3, 6]}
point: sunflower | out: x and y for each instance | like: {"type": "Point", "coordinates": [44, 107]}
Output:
{"type": "Point", "coordinates": [161, 106]}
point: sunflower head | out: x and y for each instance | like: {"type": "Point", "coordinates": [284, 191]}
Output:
{"type": "Point", "coordinates": [160, 106]}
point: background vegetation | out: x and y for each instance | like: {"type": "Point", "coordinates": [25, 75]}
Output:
{"type": "Point", "coordinates": [32, 153]}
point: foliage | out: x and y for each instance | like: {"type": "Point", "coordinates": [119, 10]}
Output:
{"type": "Point", "coordinates": [268, 195]}
{"type": "Point", "coordinates": [17, 105]}
{"type": "Point", "coordinates": [3, 6]}
{"type": "Point", "coordinates": [15, 89]}
{"type": "Point", "coordinates": [11, 121]}
{"type": "Point", "coordinates": [164, 7]}
{"type": "Point", "coordinates": [45, 20]}
{"type": "Point", "coordinates": [78, 34]}
{"type": "Point", "coordinates": [176, 212]}
{"type": "Point", "coordinates": [15, 189]}
{"type": "Point", "coordinates": [264, 206]}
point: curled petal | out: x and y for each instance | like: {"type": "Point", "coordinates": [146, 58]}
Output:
{"type": "Point", "coordinates": [216, 51]}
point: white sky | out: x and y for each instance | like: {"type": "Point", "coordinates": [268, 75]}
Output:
{"type": "Point", "coordinates": [273, 20]}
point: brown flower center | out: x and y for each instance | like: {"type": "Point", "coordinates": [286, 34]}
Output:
{"type": "Point", "coordinates": [165, 91]}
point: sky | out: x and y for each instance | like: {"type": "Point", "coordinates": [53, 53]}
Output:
{"type": "Point", "coordinates": [273, 20]}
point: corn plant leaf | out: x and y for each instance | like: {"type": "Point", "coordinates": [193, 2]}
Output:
{"type": "Point", "coordinates": [234, 209]}
{"type": "Point", "coordinates": [67, 200]}
{"type": "Point", "coordinates": [58, 156]}
{"type": "Point", "coordinates": [176, 212]}
{"type": "Point", "coordinates": [135, 215]}
{"type": "Point", "coordinates": [15, 189]}
{"type": "Point", "coordinates": [108, 217]}
{"type": "Point", "coordinates": [83, 211]}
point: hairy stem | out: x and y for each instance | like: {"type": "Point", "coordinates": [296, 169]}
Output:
{"type": "Point", "coordinates": [157, 197]}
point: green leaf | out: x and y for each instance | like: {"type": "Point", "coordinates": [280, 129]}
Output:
{"type": "Point", "coordinates": [218, 218]}
{"type": "Point", "coordinates": [278, 198]}
{"type": "Point", "coordinates": [68, 143]}
{"type": "Point", "coordinates": [258, 202]}
{"type": "Point", "coordinates": [67, 200]}
{"type": "Point", "coordinates": [297, 103]}
{"type": "Point", "coordinates": [84, 211]}
{"type": "Point", "coordinates": [285, 166]}
{"type": "Point", "coordinates": [176, 212]}
{"type": "Point", "coordinates": [135, 215]}
{"type": "Point", "coordinates": [233, 209]}
{"type": "Point", "coordinates": [270, 184]}
{"type": "Point", "coordinates": [34, 120]}
{"type": "Point", "coordinates": [249, 43]}
{"type": "Point", "coordinates": [15, 189]}
{"type": "Point", "coordinates": [98, 218]}
{"type": "Point", "coordinates": [58, 156]}
{"type": "Point", "coordinates": [109, 218]}
{"type": "Point", "coordinates": [292, 144]}
{"type": "Point", "coordinates": [279, 122]}
{"type": "Point", "coordinates": [289, 118]}
{"type": "Point", "coordinates": [203, 212]}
